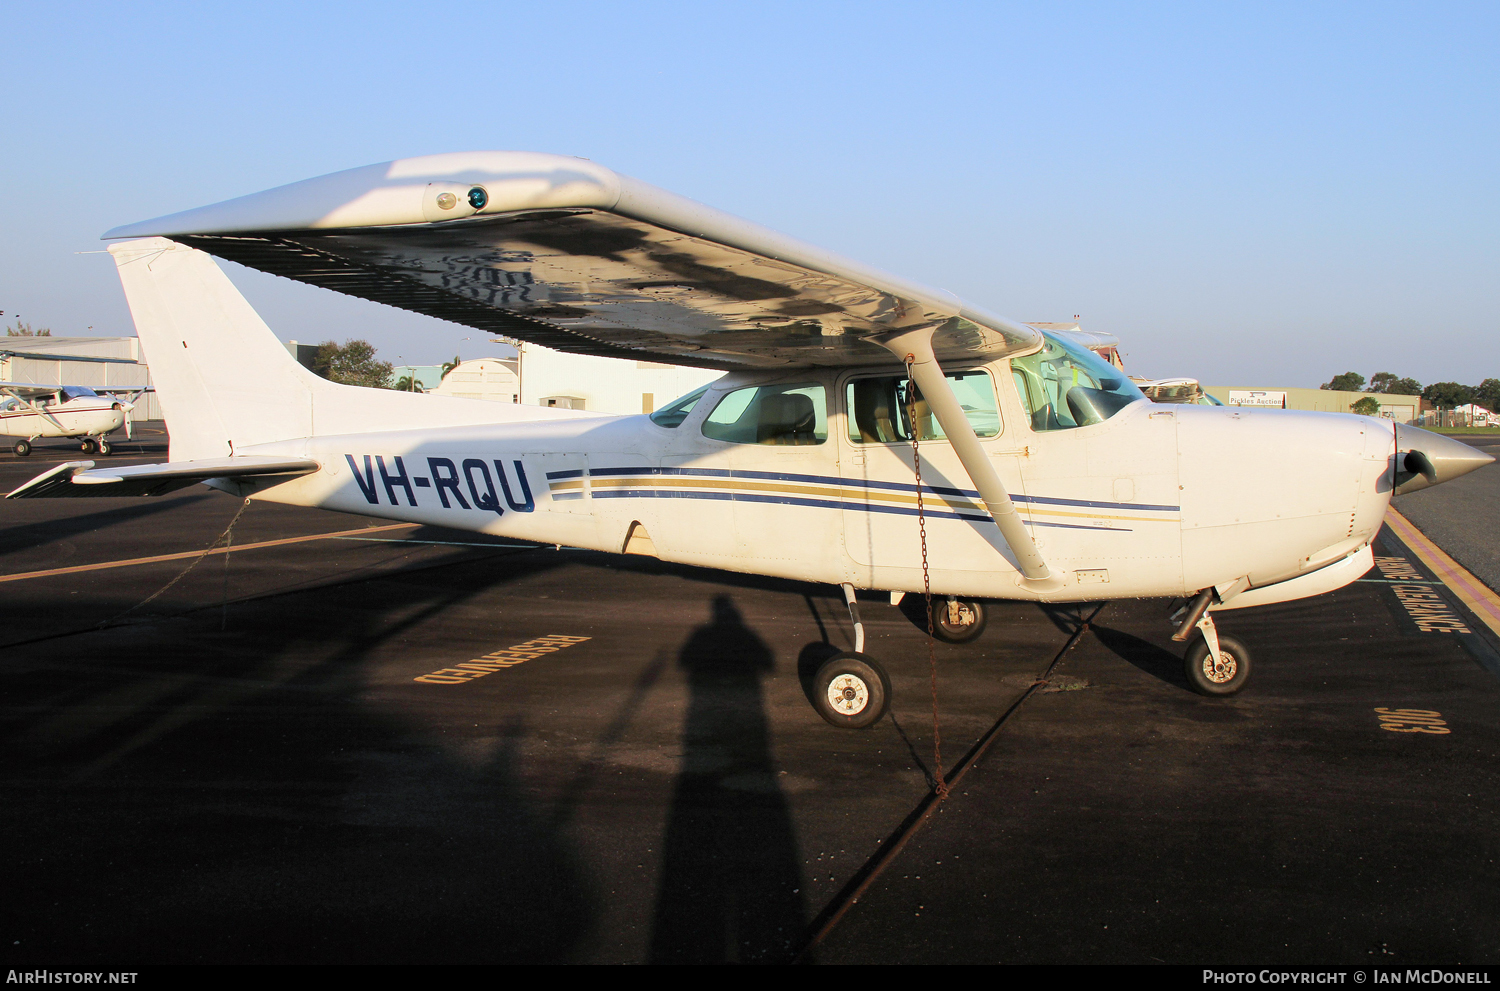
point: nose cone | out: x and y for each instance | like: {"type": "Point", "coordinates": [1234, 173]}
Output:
{"type": "Point", "coordinates": [1426, 458]}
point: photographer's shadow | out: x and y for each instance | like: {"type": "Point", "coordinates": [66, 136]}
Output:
{"type": "Point", "coordinates": [731, 878]}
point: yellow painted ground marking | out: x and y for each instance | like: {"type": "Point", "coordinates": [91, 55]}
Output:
{"type": "Point", "coordinates": [130, 562]}
{"type": "Point", "coordinates": [499, 660]}
{"type": "Point", "coordinates": [1483, 602]}
{"type": "Point", "coordinates": [1411, 720]}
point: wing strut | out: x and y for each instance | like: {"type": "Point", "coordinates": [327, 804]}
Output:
{"type": "Point", "coordinates": [39, 410]}
{"type": "Point", "coordinates": [915, 347]}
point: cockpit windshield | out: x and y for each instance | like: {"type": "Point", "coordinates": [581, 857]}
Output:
{"type": "Point", "coordinates": [1065, 385]}
{"type": "Point", "coordinates": [74, 392]}
{"type": "Point", "coordinates": [675, 412]}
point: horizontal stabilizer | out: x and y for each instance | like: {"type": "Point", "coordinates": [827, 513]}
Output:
{"type": "Point", "coordinates": [76, 480]}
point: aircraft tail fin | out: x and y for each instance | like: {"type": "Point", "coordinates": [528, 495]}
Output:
{"type": "Point", "coordinates": [226, 383]}
{"type": "Point", "coordinates": [222, 378]}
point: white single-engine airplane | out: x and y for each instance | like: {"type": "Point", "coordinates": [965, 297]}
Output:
{"type": "Point", "coordinates": [30, 411]}
{"type": "Point", "coordinates": [1045, 474]}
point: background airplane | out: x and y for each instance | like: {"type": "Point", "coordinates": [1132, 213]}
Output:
{"type": "Point", "coordinates": [870, 433]}
{"type": "Point", "coordinates": [30, 411]}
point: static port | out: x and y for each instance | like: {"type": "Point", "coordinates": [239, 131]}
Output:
{"type": "Point", "coordinates": [478, 197]}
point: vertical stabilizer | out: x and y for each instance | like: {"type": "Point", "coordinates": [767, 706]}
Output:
{"type": "Point", "coordinates": [223, 379]}
{"type": "Point", "coordinates": [226, 383]}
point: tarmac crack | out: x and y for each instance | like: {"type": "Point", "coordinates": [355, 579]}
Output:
{"type": "Point", "coordinates": [891, 847]}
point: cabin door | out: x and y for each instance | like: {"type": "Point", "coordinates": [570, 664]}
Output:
{"type": "Point", "coordinates": [881, 535]}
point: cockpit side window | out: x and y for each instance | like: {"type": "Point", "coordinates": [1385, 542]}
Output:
{"type": "Point", "coordinates": [674, 413]}
{"type": "Point", "coordinates": [1065, 385]}
{"type": "Point", "coordinates": [771, 414]}
{"type": "Point", "coordinates": [880, 408]}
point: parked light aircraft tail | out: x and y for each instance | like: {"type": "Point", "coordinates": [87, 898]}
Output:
{"type": "Point", "coordinates": [225, 383]}
{"type": "Point", "coordinates": [1046, 474]}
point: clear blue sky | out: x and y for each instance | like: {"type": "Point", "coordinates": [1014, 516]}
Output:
{"type": "Point", "coordinates": [1249, 193]}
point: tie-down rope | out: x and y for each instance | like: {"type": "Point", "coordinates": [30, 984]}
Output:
{"type": "Point", "coordinates": [223, 538]}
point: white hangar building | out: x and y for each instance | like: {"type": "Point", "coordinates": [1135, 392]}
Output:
{"type": "Point", "coordinates": [540, 376]}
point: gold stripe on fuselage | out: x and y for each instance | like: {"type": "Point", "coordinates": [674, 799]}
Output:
{"type": "Point", "coordinates": [854, 493]}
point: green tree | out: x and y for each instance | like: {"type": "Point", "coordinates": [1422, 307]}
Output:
{"type": "Point", "coordinates": [448, 366]}
{"type": "Point", "coordinates": [408, 383]}
{"type": "Point", "coordinates": [1347, 382]}
{"type": "Point", "coordinates": [1447, 395]}
{"type": "Point", "coordinates": [1487, 394]}
{"type": "Point", "coordinates": [24, 330]}
{"type": "Point", "coordinates": [1366, 406]}
{"type": "Point", "coordinates": [1388, 383]}
{"type": "Point", "coordinates": [352, 363]}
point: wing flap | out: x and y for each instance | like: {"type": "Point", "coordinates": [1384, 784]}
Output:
{"type": "Point", "coordinates": [79, 479]}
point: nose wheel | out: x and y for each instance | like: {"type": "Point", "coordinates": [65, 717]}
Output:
{"type": "Point", "coordinates": [1215, 664]}
{"type": "Point", "coordinates": [1222, 675]}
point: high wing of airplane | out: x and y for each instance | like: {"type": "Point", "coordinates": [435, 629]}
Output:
{"type": "Point", "coordinates": [858, 411]}
{"type": "Point", "coordinates": [29, 411]}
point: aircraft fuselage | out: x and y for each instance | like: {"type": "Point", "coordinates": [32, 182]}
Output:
{"type": "Point", "coordinates": [1156, 500]}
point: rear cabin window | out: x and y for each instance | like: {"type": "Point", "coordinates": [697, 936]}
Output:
{"type": "Point", "coordinates": [1065, 385]}
{"type": "Point", "coordinates": [880, 408]}
{"type": "Point", "coordinates": [771, 414]}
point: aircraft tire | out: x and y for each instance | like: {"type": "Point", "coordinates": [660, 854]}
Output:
{"type": "Point", "coordinates": [958, 632]}
{"type": "Point", "coordinates": [104, 447]}
{"type": "Point", "coordinates": [851, 691]}
{"type": "Point", "coordinates": [86, 446]}
{"type": "Point", "coordinates": [22, 448]}
{"type": "Point", "coordinates": [1231, 676]}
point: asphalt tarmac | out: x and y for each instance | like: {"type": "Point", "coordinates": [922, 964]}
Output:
{"type": "Point", "coordinates": [243, 769]}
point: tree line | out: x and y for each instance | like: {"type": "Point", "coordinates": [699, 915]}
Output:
{"type": "Point", "coordinates": [1442, 395]}
{"type": "Point", "coordinates": [354, 363]}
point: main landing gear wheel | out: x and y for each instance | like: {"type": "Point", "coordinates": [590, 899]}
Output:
{"type": "Point", "coordinates": [86, 446]}
{"type": "Point", "coordinates": [851, 690]}
{"type": "Point", "coordinates": [104, 447]}
{"type": "Point", "coordinates": [1224, 678]}
{"type": "Point", "coordinates": [958, 620]}
{"type": "Point", "coordinates": [22, 448]}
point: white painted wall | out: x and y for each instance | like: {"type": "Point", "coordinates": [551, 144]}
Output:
{"type": "Point", "coordinates": [605, 385]}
